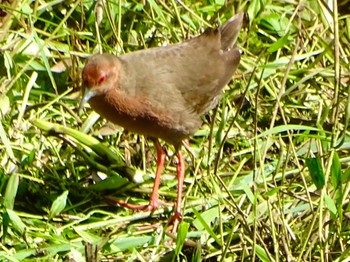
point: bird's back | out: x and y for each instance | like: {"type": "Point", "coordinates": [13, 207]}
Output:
{"type": "Point", "coordinates": [186, 78]}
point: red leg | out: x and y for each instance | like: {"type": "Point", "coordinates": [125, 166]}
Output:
{"type": "Point", "coordinates": [176, 219]}
{"type": "Point", "coordinates": [154, 199]}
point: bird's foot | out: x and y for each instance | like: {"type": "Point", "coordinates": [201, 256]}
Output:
{"type": "Point", "coordinates": [148, 207]}
{"type": "Point", "coordinates": [151, 206]}
{"type": "Point", "coordinates": [174, 222]}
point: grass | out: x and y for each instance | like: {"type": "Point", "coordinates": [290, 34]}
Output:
{"type": "Point", "coordinates": [269, 175]}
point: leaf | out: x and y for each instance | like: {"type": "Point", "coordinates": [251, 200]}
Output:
{"type": "Point", "coordinates": [278, 44]}
{"type": "Point", "coordinates": [11, 191]}
{"type": "Point", "coordinates": [208, 216]}
{"type": "Point", "coordinates": [5, 224]}
{"type": "Point", "coordinates": [254, 7]}
{"type": "Point", "coordinates": [86, 140]}
{"type": "Point", "coordinates": [181, 237]}
{"type": "Point", "coordinates": [16, 221]}
{"type": "Point", "coordinates": [197, 256]}
{"type": "Point", "coordinates": [275, 24]}
{"type": "Point", "coordinates": [206, 226]}
{"type": "Point", "coordinates": [5, 105]}
{"type": "Point", "coordinates": [336, 178]}
{"type": "Point", "coordinates": [336, 171]}
{"type": "Point", "coordinates": [58, 205]}
{"type": "Point", "coordinates": [6, 142]}
{"type": "Point", "coordinates": [284, 128]}
{"type": "Point", "coordinates": [346, 176]}
{"type": "Point", "coordinates": [260, 252]}
{"type": "Point", "coordinates": [248, 191]}
{"type": "Point", "coordinates": [316, 171]}
{"type": "Point", "coordinates": [88, 237]}
{"type": "Point", "coordinates": [127, 243]}
{"type": "Point", "coordinates": [113, 182]}
{"type": "Point", "coordinates": [330, 204]}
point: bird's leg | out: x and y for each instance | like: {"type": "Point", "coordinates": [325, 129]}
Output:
{"type": "Point", "coordinates": [180, 170]}
{"type": "Point", "coordinates": [154, 199]}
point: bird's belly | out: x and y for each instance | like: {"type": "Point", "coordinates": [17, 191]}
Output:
{"type": "Point", "coordinates": [144, 120]}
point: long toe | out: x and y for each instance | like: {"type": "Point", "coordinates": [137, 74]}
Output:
{"type": "Point", "coordinates": [151, 206]}
{"type": "Point", "coordinates": [175, 221]}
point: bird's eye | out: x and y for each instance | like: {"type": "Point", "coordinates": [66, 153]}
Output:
{"type": "Point", "coordinates": [101, 79]}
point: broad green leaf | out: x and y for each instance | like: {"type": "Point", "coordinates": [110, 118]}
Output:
{"type": "Point", "coordinates": [261, 253]}
{"type": "Point", "coordinates": [316, 171]}
{"type": "Point", "coordinates": [206, 226]}
{"type": "Point", "coordinates": [248, 191]}
{"type": "Point", "coordinates": [16, 221]}
{"type": "Point", "coordinates": [11, 191]}
{"type": "Point", "coordinates": [330, 204]}
{"type": "Point", "coordinates": [181, 237]}
{"type": "Point", "coordinates": [254, 7]}
{"type": "Point", "coordinates": [129, 242]}
{"type": "Point", "coordinates": [208, 216]}
{"type": "Point", "coordinates": [58, 205]}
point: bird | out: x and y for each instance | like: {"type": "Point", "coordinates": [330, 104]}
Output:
{"type": "Point", "coordinates": [162, 92]}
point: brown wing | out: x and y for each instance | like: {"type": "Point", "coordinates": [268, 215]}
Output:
{"type": "Point", "coordinates": [183, 80]}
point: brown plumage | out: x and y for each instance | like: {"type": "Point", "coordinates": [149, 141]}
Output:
{"type": "Point", "coordinates": [162, 92]}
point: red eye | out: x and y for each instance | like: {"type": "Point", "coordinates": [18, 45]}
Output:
{"type": "Point", "coordinates": [101, 79]}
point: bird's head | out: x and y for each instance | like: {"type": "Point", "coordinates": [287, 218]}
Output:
{"type": "Point", "coordinates": [99, 75]}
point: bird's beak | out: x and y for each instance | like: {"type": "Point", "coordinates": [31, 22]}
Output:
{"type": "Point", "coordinates": [87, 94]}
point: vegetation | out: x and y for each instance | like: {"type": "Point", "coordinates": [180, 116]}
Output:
{"type": "Point", "coordinates": [268, 176]}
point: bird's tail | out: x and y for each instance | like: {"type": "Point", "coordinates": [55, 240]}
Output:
{"type": "Point", "coordinates": [230, 31]}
